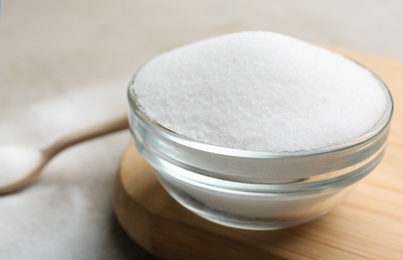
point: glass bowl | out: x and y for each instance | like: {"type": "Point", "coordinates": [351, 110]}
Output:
{"type": "Point", "coordinates": [255, 190]}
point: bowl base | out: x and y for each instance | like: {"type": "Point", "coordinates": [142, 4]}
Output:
{"type": "Point", "coordinates": [167, 230]}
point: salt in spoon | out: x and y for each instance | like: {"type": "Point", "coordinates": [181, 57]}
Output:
{"type": "Point", "coordinates": [12, 157]}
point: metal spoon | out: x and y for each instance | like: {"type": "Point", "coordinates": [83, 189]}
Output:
{"type": "Point", "coordinates": [35, 159]}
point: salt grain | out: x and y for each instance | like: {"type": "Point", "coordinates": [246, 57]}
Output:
{"type": "Point", "coordinates": [260, 91]}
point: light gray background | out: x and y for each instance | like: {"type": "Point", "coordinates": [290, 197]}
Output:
{"type": "Point", "coordinates": [65, 65]}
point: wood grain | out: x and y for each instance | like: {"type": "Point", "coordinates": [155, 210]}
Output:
{"type": "Point", "coordinates": [367, 225]}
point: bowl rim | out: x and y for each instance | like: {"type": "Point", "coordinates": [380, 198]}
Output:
{"type": "Point", "coordinates": [377, 129]}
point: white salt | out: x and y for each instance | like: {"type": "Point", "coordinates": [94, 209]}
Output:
{"type": "Point", "coordinates": [260, 91]}
{"type": "Point", "coordinates": [16, 162]}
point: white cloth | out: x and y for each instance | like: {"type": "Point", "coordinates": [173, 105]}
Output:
{"type": "Point", "coordinates": [67, 213]}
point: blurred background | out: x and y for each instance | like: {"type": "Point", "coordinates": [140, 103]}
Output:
{"type": "Point", "coordinates": [65, 65]}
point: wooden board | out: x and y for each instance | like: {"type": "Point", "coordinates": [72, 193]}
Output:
{"type": "Point", "coordinates": [368, 224]}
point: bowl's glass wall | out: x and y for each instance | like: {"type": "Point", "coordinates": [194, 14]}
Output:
{"type": "Point", "coordinates": [255, 211]}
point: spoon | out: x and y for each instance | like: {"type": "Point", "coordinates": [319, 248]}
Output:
{"type": "Point", "coordinates": [24, 164]}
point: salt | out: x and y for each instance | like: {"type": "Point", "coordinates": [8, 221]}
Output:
{"type": "Point", "coordinates": [16, 162]}
{"type": "Point", "coordinates": [260, 91]}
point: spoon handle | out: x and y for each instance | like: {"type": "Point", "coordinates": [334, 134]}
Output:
{"type": "Point", "coordinates": [113, 125]}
